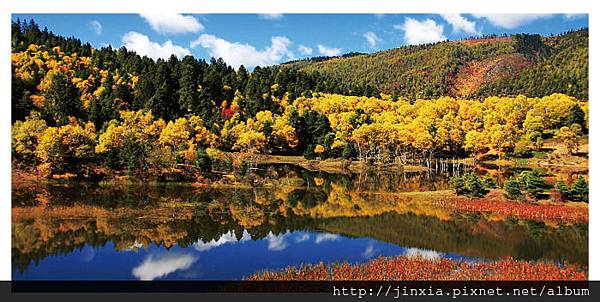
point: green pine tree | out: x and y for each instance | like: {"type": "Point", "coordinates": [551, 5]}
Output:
{"type": "Point", "coordinates": [512, 189]}
{"type": "Point", "coordinates": [580, 190]}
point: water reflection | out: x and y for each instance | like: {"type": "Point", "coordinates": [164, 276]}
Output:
{"type": "Point", "coordinates": [296, 216]}
{"type": "Point", "coordinates": [226, 238]}
{"type": "Point", "coordinates": [160, 265]}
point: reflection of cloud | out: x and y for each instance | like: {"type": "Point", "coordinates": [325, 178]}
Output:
{"type": "Point", "coordinates": [426, 254]}
{"type": "Point", "coordinates": [228, 237]}
{"type": "Point", "coordinates": [302, 238]}
{"type": "Point", "coordinates": [277, 242]}
{"type": "Point", "coordinates": [159, 266]}
{"type": "Point", "coordinates": [369, 251]}
{"type": "Point", "coordinates": [326, 237]}
{"type": "Point", "coordinates": [135, 246]}
{"type": "Point", "coordinates": [88, 254]}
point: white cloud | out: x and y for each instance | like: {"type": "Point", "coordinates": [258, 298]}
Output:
{"type": "Point", "coordinates": [326, 237]}
{"type": "Point", "coordinates": [330, 52]}
{"type": "Point", "coordinates": [270, 16]}
{"type": "Point", "coordinates": [96, 26]}
{"type": "Point", "coordinates": [305, 50]}
{"type": "Point", "coordinates": [574, 16]}
{"type": "Point", "coordinates": [144, 47]}
{"type": "Point", "coordinates": [372, 38]}
{"type": "Point", "coordinates": [511, 21]}
{"type": "Point", "coordinates": [171, 23]}
{"type": "Point", "coordinates": [460, 24]}
{"type": "Point", "coordinates": [226, 238]}
{"type": "Point", "coordinates": [421, 32]}
{"type": "Point", "coordinates": [236, 54]}
{"type": "Point", "coordinates": [159, 266]}
{"type": "Point", "coordinates": [425, 254]}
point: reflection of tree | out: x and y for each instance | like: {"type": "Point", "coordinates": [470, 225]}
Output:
{"type": "Point", "coordinates": [72, 216]}
{"type": "Point", "coordinates": [479, 238]}
{"type": "Point", "coordinates": [35, 239]}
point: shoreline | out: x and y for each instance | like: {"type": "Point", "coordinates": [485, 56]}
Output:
{"type": "Point", "coordinates": [439, 269]}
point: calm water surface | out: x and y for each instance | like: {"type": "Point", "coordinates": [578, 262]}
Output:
{"type": "Point", "coordinates": [170, 231]}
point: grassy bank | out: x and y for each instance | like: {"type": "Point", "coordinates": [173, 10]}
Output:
{"type": "Point", "coordinates": [419, 268]}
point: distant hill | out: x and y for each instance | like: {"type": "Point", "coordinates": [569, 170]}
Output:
{"type": "Point", "coordinates": [495, 65]}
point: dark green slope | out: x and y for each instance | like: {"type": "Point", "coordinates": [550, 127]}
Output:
{"type": "Point", "coordinates": [507, 65]}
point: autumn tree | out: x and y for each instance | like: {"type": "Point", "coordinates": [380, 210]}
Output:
{"type": "Point", "coordinates": [66, 147]}
{"type": "Point", "coordinates": [569, 138]}
{"type": "Point", "coordinates": [25, 137]}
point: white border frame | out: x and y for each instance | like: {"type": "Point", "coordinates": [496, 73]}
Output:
{"type": "Point", "coordinates": [8, 7]}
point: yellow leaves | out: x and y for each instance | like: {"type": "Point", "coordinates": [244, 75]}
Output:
{"type": "Point", "coordinates": [568, 136]}
{"type": "Point", "coordinates": [250, 141]}
{"type": "Point", "coordinates": [283, 134]}
{"type": "Point", "coordinates": [38, 100]}
{"type": "Point", "coordinates": [475, 141]}
{"type": "Point", "coordinates": [134, 80]}
{"type": "Point", "coordinates": [103, 76]}
{"type": "Point", "coordinates": [552, 110]}
{"type": "Point", "coordinates": [45, 170]}
{"type": "Point", "coordinates": [137, 126]}
{"type": "Point", "coordinates": [275, 88]}
{"type": "Point", "coordinates": [39, 63]}
{"type": "Point", "coordinates": [189, 154]}
{"type": "Point", "coordinates": [85, 61]}
{"type": "Point", "coordinates": [500, 137]}
{"type": "Point", "coordinates": [264, 117]}
{"type": "Point", "coordinates": [25, 136]}
{"type": "Point", "coordinates": [111, 138]}
{"type": "Point", "coordinates": [319, 149]}
{"type": "Point", "coordinates": [175, 133]}
{"type": "Point", "coordinates": [338, 144]}
{"type": "Point", "coordinates": [60, 146]}
{"type": "Point", "coordinates": [33, 47]}
{"type": "Point", "coordinates": [47, 81]}
{"type": "Point", "coordinates": [215, 154]}
{"type": "Point", "coordinates": [76, 81]}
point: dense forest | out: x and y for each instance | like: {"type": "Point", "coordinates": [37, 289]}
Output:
{"type": "Point", "coordinates": [498, 66]}
{"type": "Point", "coordinates": [74, 106]}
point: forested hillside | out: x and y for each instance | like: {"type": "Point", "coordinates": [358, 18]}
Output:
{"type": "Point", "coordinates": [76, 107]}
{"type": "Point", "coordinates": [507, 65]}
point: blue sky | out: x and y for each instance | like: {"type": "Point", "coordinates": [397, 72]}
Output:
{"type": "Point", "coordinates": [252, 39]}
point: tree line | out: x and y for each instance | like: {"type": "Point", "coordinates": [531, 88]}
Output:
{"type": "Point", "coordinates": [74, 105]}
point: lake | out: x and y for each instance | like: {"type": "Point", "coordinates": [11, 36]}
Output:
{"type": "Point", "coordinates": [291, 216]}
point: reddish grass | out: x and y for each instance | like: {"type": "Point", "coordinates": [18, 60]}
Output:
{"type": "Point", "coordinates": [416, 268]}
{"type": "Point", "coordinates": [498, 204]}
